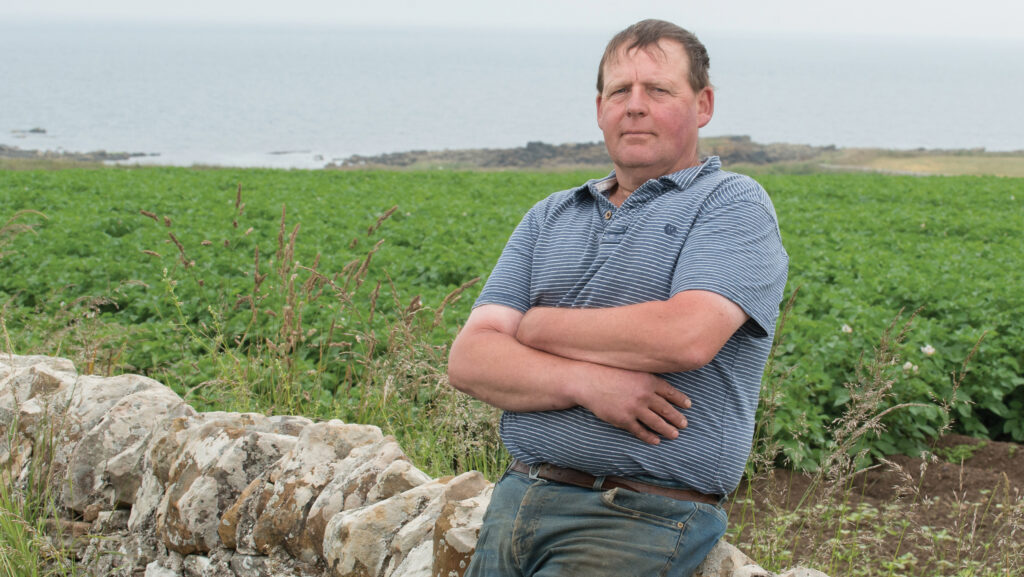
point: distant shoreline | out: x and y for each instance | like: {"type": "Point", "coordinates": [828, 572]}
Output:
{"type": "Point", "coordinates": [735, 152]}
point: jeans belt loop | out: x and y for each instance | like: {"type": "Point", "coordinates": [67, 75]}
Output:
{"type": "Point", "coordinates": [598, 482]}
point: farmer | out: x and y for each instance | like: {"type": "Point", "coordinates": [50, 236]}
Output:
{"type": "Point", "coordinates": [624, 331]}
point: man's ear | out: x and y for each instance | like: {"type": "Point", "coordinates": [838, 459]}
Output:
{"type": "Point", "coordinates": [598, 100]}
{"type": "Point", "coordinates": [705, 106]}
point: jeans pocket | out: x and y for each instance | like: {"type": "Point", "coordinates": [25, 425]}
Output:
{"type": "Point", "coordinates": [716, 511]}
{"type": "Point", "coordinates": [656, 509]}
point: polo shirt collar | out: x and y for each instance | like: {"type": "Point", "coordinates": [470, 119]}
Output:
{"type": "Point", "coordinates": [677, 180]}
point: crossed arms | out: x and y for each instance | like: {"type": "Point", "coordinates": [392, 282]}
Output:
{"type": "Point", "coordinates": [600, 359]}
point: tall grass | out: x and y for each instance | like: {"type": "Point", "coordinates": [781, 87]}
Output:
{"type": "Point", "coordinates": [32, 535]}
{"type": "Point", "coordinates": [371, 359]}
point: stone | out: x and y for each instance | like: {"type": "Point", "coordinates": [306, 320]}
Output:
{"type": "Point", "coordinates": [802, 572]}
{"type": "Point", "coordinates": [356, 483]}
{"type": "Point", "coordinates": [374, 540]}
{"type": "Point", "coordinates": [212, 469]}
{"type": "Point", "coordinates": [299, 478]}
{"type": "Point", "coordinates": [752, 570]}
{"type": "Point", "coordinates": [196, 566]}
{"type": "Point", "coordinates": [235, 528]}
{"type": "Point", "coordinates": [418, 563]}
{"type": "Point", "coordinates": [165, 491]}
{"type": "Point", "coordinates": [104, 467]}
{"type": "Point", "coordinates": [34, 395]}
{"type": "Point", "coordinates": [722, 561]}
{"type": "Point", "coordinates": [103, 556]}
{"type": "Point", "coordinates": [155, 569]}
{"type": "Point", "coordinates": [108, 522]}
{"type": "Point", "coordinates": [455, 534]}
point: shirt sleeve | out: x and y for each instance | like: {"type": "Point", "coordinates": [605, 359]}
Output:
{"type": "Point", "coordinates": [735, 250]}
{"type": "Point", "coordinates": [509, 281]}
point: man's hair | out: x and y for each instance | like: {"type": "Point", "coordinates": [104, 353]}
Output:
{"type": "Point", "coordinates": [646, 34]}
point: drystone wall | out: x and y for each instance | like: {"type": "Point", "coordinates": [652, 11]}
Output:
{"type": "Point", "coordinates": [149, 486]}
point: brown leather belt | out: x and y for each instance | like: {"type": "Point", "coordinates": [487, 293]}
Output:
{"type": "Point", "coordinates": [588, 481]}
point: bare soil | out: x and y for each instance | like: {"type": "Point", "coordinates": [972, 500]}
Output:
{"type": "Point", "coordinates": [964, 506]}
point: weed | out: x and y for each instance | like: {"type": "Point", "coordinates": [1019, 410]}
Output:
{"type": "Point", "coordinates": [962, 452]}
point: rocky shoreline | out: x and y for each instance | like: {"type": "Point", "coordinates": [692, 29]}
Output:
{"type": "Point", "coordinates": [87, 157]}
{"type": "Point", "coordinates": [535, 155]}
{"type": "Point", "coordinates": [540, 155]}
{"type": "Point", "coordinates": [736, 152]}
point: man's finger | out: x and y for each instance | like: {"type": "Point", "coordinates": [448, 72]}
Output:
{"type": "Point", "coordinates": [659, 425]}
{"type": "Point", "coordinates": [643, 433]}
{"type": "Point", "coordinates": [677, 398]}
{"type": "Point", "coordinates": [669, 413]}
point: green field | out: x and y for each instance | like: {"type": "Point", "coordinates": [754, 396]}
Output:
{"type": "Point", "coordinates": [178, 294]}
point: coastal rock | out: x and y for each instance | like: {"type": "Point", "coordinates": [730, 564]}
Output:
{"type": "Point", "coordinates": [94, 156]}
{"type": "Point", "coordinates": [731, 149]}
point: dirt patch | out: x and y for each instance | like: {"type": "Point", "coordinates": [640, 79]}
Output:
{"type": "Point", "coordinates": [958, 510]}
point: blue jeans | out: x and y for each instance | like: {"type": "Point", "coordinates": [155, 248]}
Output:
{"type": "Point", "coordinates": [537, 528]}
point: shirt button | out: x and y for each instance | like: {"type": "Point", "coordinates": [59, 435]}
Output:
{"type": "Point", "coordinates": [608, 215]}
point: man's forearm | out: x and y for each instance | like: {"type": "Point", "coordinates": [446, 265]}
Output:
{"type": "Point", "coordinates": [499, 370]}
{"type": "Point", "coordinates": [489, 363]}
{"type": "Point", "coordinates": [680, 334]}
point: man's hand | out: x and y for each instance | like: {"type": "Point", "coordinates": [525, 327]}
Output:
{"type": "Point", "coordinates": [641, 403]}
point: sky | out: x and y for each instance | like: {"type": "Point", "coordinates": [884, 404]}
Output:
{"type": "Point", "coordinates": [934, 18]}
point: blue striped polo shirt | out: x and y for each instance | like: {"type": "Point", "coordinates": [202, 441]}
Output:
{"type": "Point", "coordinates": [698, 229]}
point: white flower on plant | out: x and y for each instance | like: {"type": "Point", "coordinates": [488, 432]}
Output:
{"type": "Point", "coordinates": [928, 350]}
{"type": "Point", "coordinates": [909, 367]}
{"type": "Point", "coordinates": [846, 328]}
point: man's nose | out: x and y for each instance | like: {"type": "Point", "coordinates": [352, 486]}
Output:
{"type": "Point", "coordinates": [637, 103]}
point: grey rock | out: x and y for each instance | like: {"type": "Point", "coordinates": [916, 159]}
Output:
{"type": "Point", "coordinates": [802, 572]}
{"type": "Point", "coordinates": [723, 560]}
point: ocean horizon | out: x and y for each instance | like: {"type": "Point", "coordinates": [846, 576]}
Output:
{"type": "Point", "coordinates": [301, 97]}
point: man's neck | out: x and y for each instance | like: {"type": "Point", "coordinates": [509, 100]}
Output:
{"type": "Point", "coordinates": [630, 179]}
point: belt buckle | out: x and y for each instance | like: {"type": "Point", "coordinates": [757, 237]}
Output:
{"type": "Point", "coordinates": [534, 472]}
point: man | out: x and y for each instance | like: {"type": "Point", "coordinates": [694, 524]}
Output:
{"type": "Point", "coordinates": [624, 331]}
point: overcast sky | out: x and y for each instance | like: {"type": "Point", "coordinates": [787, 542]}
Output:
{"type": "Point", "coordinates": [943, 18]}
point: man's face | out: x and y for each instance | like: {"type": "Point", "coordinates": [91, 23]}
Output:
{"type": "Point", "coordinates": [649, 113]}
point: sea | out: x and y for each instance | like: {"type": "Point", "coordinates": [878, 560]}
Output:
{"type": "Point", "coordinates": [301, 97]}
